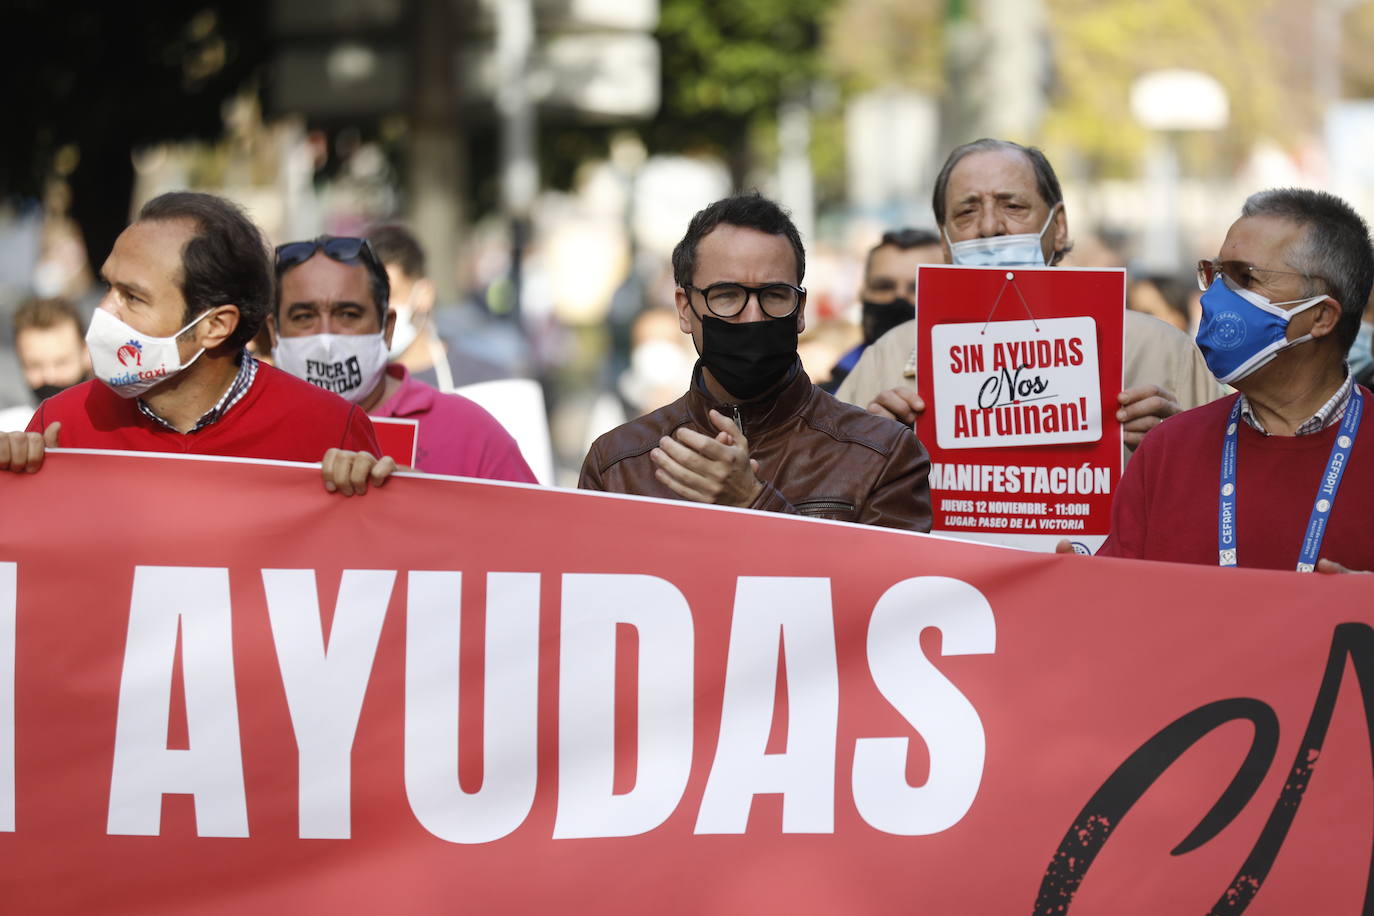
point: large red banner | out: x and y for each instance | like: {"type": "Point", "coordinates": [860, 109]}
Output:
{"type": "Point", "coordinates": [223, 690]}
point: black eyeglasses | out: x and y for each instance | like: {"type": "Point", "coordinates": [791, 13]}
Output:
{"type": "Point", "coordinates": [726, 300]}
{"type": "Point", "coordinates": [1240, 274]}
{"type": "Point", "coordinates": [342, 248]}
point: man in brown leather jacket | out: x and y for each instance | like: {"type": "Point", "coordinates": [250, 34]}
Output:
{"type": "Point", "coordinates": [752, 431]}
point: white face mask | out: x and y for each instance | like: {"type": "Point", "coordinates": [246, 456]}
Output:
{"type": "Point", "coordinates": [350, 365]}
{"type": "Point", "coordinates": [405, 331]}
{"type": "Point", "coordinates": [129, 361]}
{"type": "Point", "coordinates": [1020, 250]}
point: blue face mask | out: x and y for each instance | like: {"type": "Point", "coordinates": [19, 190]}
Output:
{"type": "Point", "coordinates": [1242, 331]}
{"type": "Point", "coordinates": [1360, 357]}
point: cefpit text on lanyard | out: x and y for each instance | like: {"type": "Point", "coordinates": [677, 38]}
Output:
{"type": "Point", "coordinates": [1322, 504]}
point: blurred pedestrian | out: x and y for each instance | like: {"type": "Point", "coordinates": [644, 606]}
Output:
{"type": "Point", "coordinates": [1361, 352]}
{"type": "Point", "coordinates": [51, 349]}
{"type": "Point", "coordinates": [1161, 296]}
{"type": "Point", "coordinates": [416, 343]}
{"type": "Point", "coordinates": [888, 295]}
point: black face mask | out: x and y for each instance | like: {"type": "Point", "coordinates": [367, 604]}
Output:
{"type": "Point", "coordinates": [748, 357]}
{"type": "Point", "coordinates": [43, 392]}
{"type": "Point", "coordinates": [881, 317]}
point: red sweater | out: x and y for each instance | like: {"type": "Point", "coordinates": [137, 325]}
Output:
{"type": "Point", "coordinates": [1166, 508]}
{"type": "Point", "coordinates": [279, 418]}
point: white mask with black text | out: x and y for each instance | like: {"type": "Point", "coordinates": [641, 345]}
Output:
{"type": "Point", "coordinates": [350, 365]}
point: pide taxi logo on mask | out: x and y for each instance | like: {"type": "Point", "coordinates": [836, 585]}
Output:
{"type": "Point", "coordinates": [131, 377]}
{"type": "Point", "coordinates": [131, 354]}
{"type": "Point", "coordinates": [338, 377]}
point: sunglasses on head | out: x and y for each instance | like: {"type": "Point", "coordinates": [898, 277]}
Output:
{"type": "Point", "coordinates": [342, 248]}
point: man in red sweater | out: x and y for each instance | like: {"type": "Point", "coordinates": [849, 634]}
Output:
{"type": "Point", "coordinates": [189, 285]}
{"type": "Point", "coordinates": [1278, 475]}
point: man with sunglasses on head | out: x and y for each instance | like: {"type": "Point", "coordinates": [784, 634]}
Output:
{"type": "Point", "coordinates": [1278, 476]}
{"type": "Point", "coordinates": [189, 285]}
{"type": "Point", "coordinates": [333, 326]}
{"type": "Point", "coordinates": [999, 204]}
{"type": "Point", "coordinates": [752, 431]}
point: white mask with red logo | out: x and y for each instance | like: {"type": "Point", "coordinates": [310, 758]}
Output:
{"type": "Point", "coordinates": [129, 361]}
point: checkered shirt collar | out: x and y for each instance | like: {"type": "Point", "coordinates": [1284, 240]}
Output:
{"type": "Point", "coordinates": [1329, 414]}
{"type": "Point", "coordinates": [248, 370]}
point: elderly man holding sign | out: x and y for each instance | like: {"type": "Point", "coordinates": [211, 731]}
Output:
{"type": "Point", "coordinates": [999, 204]}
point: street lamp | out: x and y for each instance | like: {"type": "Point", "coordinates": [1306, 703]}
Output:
{"type": "Point", "coordinates": [1168, 102]}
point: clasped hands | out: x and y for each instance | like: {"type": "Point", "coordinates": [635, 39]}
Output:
{"type": "Point", "coordinates": [703, 469]}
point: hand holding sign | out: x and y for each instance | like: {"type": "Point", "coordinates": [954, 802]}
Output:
{"type": "Point", "coordinates": [706, 470]}
{"type": "Point", "coordinates": [1142, 409]}
{"type": "Point", "coordinates": [23, 452]}
{"type": "Point", "coordinates": [901, 404]}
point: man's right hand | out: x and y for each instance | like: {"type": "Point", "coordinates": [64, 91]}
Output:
{"type": "Point", "coordinates": [350, 473]}
{"type": "Point", "coordinates": [706, 470]}
{"type": "Point", "coordinates": [23, 452]}
{"type": "Point", "coordinates": [902, 404]}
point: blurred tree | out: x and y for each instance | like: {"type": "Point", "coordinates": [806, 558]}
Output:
{"type": "Point", "coordinates": [1260, 50]}
{"type": "Point", "coordinates": [1357, 64]}
{"type": "Point", "coordinates": [868, 45]}
{"type": "Point", "coordinates": [1268, 54]}
{"type": "Point", "coordinates": [726, 66]}
{"type": "Point", "coordinates": [871, 44]}
{"type": "Point", "coordinates": [91, 81]}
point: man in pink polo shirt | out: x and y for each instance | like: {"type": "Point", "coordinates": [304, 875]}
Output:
{"type": "Point", "coordinates": [332, 327]}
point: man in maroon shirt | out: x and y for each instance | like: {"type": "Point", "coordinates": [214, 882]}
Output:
{"type": "Point", "coordinates": [189, 285]}
{"type": "Point", "coordinates": [1278, 475]}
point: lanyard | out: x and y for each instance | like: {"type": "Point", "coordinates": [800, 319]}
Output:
{"type": "Point", "coordinates": [1321, 504]}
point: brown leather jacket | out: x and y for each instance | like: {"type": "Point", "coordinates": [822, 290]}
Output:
{"type": "Point", "coordinates": [817, 456]}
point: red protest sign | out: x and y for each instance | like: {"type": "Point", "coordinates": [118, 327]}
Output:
{"type": "Point", "coordinates": [1019, 369]}
{"type": "Point", "coordinates": [290, 702]}
{"type": "Point", "coordinates": [398, 438]}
